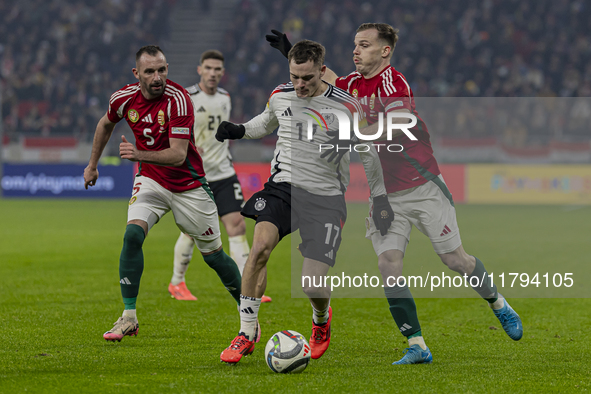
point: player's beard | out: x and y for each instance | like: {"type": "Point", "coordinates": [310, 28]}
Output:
{"type": "Point", "coordinates": [156, 92]}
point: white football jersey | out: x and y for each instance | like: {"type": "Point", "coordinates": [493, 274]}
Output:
{"type": "Point", "coordinates": [297, 156]}
{"type": "Point", "coordinates": [210, 111]}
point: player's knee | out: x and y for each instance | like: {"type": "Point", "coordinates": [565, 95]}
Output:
{"type": "Point", "coordinates": [236, 227]}
{"type": "Point", "coordinates": [390, 263]}
{"type": "Point", "coordinates": [134, 236]}
{"type": "Point", "coordinates": [316, 287]}
{"type": "Point", "coordinates": [455, 262]}
{"type": "Point", "coordinates": [261, 250]}
{"type": "Point", "coordinates": [208, 246]}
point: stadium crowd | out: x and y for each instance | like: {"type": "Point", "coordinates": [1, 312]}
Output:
{"type": "Point", "coordinates": [59, 59]}
{"type": "Point", "coordinates": [457, 48]}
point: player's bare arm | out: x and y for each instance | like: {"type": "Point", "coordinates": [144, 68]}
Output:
{"type": "Point", "coordinates": [103, 132]}
{"type": "Point", "coordinates": [174, 156]}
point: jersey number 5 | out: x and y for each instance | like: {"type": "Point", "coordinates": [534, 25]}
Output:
{"type": "Point", "coordinates": [147, 132]}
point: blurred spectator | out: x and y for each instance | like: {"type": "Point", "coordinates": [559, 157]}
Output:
{"type": "Point", "coordinates": [490, 48]}
{"type": "Point", "coordinates": [61, 59]}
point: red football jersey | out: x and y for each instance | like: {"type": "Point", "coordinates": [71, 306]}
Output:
{"type": "Point", "coordinates": [389, 91]}
{"type": "Point", "coordinates": [153, 123]}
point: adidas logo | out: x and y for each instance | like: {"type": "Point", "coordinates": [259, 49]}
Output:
{"type": "Point", "coordinates": [201, 109]}
{"type": "Point", "coordinates": [147, 119]}
{"type": "Point", "coordinates": [125, 281]}
{"type": "Point", "coordinates": [287, 112]}
{"type": "Point", "coordinates": [405, 327]}
{"type": "Point", "coordinates": [208, 232]}
{"type": "Point", "coordinates": [446, 230]}
{"type": "Point", "coordinates": [330, 254]}
{"type": "Point", "coordinates": [247, 310]}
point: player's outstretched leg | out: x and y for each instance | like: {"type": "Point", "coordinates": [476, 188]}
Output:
{"type": "Point", "coordinates": [131, 267]}
{"type": "Point", "coordinates": [183, 251]}
{"type": "Point", "coordinates": [482, 283]}
{"type": "Point", "coordinates": [509, 319]}
{"type": "Point", "coordinates": [266, 237]}
{"type": "Point", "coordinates": [238, 244]}
{"type": "Point", "coordinates": [227, 271]}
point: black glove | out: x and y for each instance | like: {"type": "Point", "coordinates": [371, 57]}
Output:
{"type": "Point", "coordinates": [343, 145]}
{"type": "Point", "coordinates": [229, 131]}
{"type": "Point", "coordinates": [279, 41]}
{"type": "Point", "coordinates": [382, 214]}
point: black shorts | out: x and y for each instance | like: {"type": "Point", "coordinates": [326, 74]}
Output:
{"type": "Point", "coordinates": [228, 195]}
{"type": "Point", "coordinates": [320, 219]}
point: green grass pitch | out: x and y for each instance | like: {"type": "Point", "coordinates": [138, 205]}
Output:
{"type": "Point", "coordinates": [59, 292]}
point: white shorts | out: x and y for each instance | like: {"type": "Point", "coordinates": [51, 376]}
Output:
{"type": "Point", "coordinates": [195, 212]}
{"type": "Point", "coordinates": [429, 208]}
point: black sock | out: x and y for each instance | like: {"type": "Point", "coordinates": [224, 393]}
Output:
{"type": "Point", "coordinates": [131, 264]}
{"type": "Point", "coordinates": [227, 270]}
{"type": "Point", "coordinates": [486, 289]}
{"type": "Point", "coordinates": [403, 309]}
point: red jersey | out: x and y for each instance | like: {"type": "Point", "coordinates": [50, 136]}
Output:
{"type": "Point", "coordinates": [153, 123]}
{"type": "Point", "coordinates": [389, 91]}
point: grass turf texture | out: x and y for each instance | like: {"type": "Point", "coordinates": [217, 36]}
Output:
{"type": "Point", "coordinates": [59, 292]}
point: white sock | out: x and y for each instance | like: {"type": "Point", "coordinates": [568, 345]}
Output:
{"type": "Point", "coordinates": [417, 341]}
{"type": "Point", "coordinates": [130, 313]}
{"type": "Point", "coordinates": [239, 250]}
{"type": "Point", "coordinates": [320, 317]}
{"type": "Point", "coordinates": [498, 304]}
{"type": "Point", "coordinates": [249, 311]}
{"type": "Point", "coordinates": [183, 251]}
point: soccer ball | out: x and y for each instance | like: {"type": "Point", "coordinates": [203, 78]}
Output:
{"type": "Point", "coordinates": [287, 352]}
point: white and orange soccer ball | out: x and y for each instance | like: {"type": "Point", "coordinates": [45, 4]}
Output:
{"type": "Point", "coordinates": [287, 352]}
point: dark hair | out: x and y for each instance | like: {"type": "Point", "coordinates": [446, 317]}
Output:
{"type": "Point", "coordinates": [385, 32]}
{"type": "Point", "coordinates": [212, 54]}
{"type": "Point", "coordinates": [306, 50]}
{"type": "Point", "coordinates": [151, 50]}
